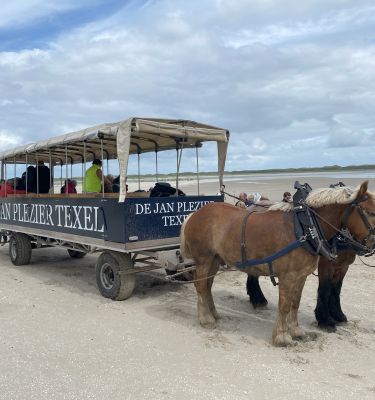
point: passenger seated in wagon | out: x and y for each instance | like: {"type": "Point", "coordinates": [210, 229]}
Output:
{"type": "Point", "coordinates": [69, 186]}
{"type": "Point", "coordinates": [43, 176]}
{"type": "Point", "coordinates": [11, 187]}
{"type": "Point", "coordinates": [37, 179]}
{"type": "Point", "coordinates": [94, 177]}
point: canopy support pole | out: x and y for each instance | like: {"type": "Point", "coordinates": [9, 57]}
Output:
{"type": "Point", "coordinates": [156, 163]}
{"type": "Point", "coordinates": [51, 188]}
{"type": "Point", "coordinates": [37, 173]}
{"type": "Point", "coordinates": [196, 152]}
{"type": "Point", "coordinates": [139, 171]}
{"type": "Point", "coordinates": [102, 155]}
{"type": "Point", "coordinates": [15, 174]}
{"type": "Point", "coordinates": [26, 172]}
{"type": "Point", "coordinates": [83, 168]}
{"type": "Point", "coordinates": [6, 185]}
{"type": "Point", "coordinates": [66, 171]}
{"type": "Point", "coordinates": [179, 157]}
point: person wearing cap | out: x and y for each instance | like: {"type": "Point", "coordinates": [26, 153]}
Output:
{"type": "Point", "coordinates": [93, 177]}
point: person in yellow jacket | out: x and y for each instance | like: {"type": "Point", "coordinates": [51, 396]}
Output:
{"type": "Point", "coordinates": [93, 177]}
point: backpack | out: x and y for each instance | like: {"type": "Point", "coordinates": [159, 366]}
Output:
{"type": "Point", "coordinates": [164, 189]}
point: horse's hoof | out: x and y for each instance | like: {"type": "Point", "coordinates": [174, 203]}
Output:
{"type": "Point", "coordinates": [330, 328]}
{"type": "Point", "coordinates": [297, 333]}
{"type": "Point", "coordinates": [208, 324]}
{"type": "Point", "coordinates": [307, 337]}
{"type": "Point", "coordinates": [340, 318]}
{"type": "Point", "coordinates": [259, 304]}
{"type": "Point", "coordinates": [283, 340]}
{"type": "Point", "coordinates": [311, 335]}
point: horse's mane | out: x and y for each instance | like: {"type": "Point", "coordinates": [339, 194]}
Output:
{"type": "Point", "coordinates": [324, 197]}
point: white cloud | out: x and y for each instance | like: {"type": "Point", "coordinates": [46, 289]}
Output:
{"type": "Point", "coordinates": [22, 12]}
{"type": "Point", "coordinates": [259, 145]}
{"type": "Point", "coordinates": [8, 139]}
{"type": "Point", "coordinates": [278, 97]}
{"type": "Point", "coordinates": [296, 30]}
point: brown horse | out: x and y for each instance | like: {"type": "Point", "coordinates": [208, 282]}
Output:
{"type": "Point", "coordinates": [328, 310]}
{"type": "Point", "coordinates": [212, 235]}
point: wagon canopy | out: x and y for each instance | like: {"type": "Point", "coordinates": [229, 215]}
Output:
{"type": "Point", "coordinates": [118, 140]}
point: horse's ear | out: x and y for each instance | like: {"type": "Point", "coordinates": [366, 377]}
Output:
{"type": "Point", "coordinates": [362, 190]}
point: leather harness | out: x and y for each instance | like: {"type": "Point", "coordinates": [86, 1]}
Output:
{"type": "Point", "coordinates": [309, 233]}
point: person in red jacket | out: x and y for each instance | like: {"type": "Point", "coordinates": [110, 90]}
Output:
{"type": "Point", "coordinates": [69, 187]}
{"type": "Point", "coordinates": [8, 188]}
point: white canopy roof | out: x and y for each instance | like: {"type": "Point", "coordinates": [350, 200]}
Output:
{"type": "Point", "coordinates": [118, 140]}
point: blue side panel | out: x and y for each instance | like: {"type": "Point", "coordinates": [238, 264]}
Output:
{"type": "Point", "coordinates": [160, 217]}
{"type": "Point", "coordinates": [136, 219]}
{"type": "Point", "coordinates": [97, 218]}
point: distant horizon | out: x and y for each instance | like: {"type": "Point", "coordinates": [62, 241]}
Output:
{"type": "Point", "coordinates": [328, 168]}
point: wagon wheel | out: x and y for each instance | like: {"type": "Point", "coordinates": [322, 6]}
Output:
{"type": "Point", "coordinates": [111, 277]}
{"type": "Point", "coordinates": [76, 253]}
{"type": "Point", "coordinates": [20, 249]}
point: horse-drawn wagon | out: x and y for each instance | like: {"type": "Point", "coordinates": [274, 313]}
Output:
{"type": "Point", "coordinates": [133, 231]}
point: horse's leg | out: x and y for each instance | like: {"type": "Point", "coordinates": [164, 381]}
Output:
{"type": "Point", "coordinates": [280, 334]}
{"type": "Point", "coordinates": [294, 329]}
{"type": "Point", "coordinates": [212, 272]}
{"type": "Point", "coordinates": [205, 316]}
{"type": "Point", "coordinates": [255, 293]}
{"type": "Point", "coordinates": [334, 301]}
{"type": "Point", "coordinates": [322, 312]}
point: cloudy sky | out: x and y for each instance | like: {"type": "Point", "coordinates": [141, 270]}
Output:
{"type": "Point", "coordinates": [294, 81]}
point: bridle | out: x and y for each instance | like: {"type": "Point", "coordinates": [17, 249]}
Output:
{"type": "Point", "coordinates": [344, 236]}
{"type": "Point", "coordinates": [356, 206]}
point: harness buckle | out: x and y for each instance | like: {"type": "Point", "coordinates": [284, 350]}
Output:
{"type": "Point", "coordinates": [302, 239]}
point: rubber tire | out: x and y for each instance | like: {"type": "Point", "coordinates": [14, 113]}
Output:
{"type": "Point", "coordinates": [21, 244]}
{"type": "Point", "coordinates": [111, 283]}
{"type": "Point", "coordinates": [76, 253]}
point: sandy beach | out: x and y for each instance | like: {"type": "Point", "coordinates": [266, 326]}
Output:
{"type": "Point", "coordinates": [60, 339]}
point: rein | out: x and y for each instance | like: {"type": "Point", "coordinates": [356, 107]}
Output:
{"type": "Point", "coordinates": [230, 195]}
{"type": "Point", "coordinates": [367, 265]}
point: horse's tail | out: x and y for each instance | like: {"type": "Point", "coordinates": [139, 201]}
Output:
{"type": "Point", "coordinates": [183, 246]}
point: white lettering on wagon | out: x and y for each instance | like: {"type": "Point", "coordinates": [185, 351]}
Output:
{"type": "Point", "coordinates": [171, 213]}
{"type": "Point", "coordinates": [85, 218]}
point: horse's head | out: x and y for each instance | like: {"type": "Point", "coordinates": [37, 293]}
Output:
{"type": "Point", "coordinates": [359, 217]}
